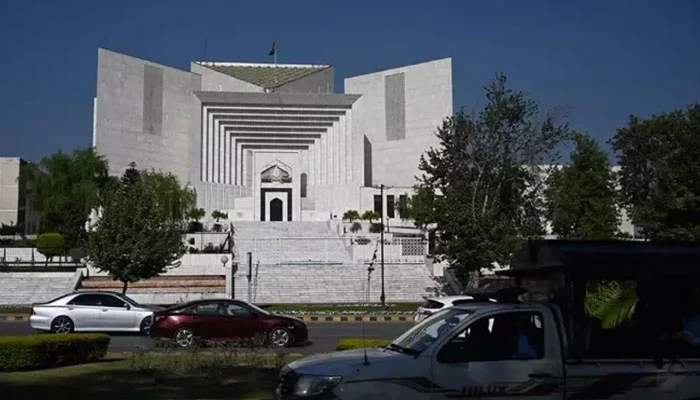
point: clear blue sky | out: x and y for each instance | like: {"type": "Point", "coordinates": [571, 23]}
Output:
{"type": "Point", "coordinates": [603, 59]}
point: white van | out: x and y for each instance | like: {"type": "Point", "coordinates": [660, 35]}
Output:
{"type": "Point", "coordinates": [491, 351]}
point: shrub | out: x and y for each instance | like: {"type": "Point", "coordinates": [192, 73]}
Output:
{"type": "Point", "coordinates": [375, 228]}
{"type": "Point", "coordinates": [50, 244]}
{"type": "Point", "coordinates": [370, 215]}
{"type": "Point", "coordinates": [355, 227]}
{"type": "Point", "coordinates": [355, 343]}
{"type": "Point", "coordinates": [46, 351]}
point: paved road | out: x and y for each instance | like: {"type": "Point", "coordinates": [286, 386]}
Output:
{"type": "Point", "coordinates": [323, 336]}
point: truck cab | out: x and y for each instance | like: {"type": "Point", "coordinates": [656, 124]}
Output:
{"type": "Point", "coordinates": [545, 349]}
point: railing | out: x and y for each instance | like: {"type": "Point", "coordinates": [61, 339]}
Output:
{"type": "Point", "coordinates": [330, 250]}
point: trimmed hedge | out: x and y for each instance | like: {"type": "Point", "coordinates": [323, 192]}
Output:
{"type": "Point", "coordinates": [350, 344]}
{"type": "Point", "coordinates": [46, 351]}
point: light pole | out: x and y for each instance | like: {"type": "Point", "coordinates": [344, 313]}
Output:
{"type": "Point", "coordinates": [224, 260]}
{"type": "Point", "coordinates": [382, 298]}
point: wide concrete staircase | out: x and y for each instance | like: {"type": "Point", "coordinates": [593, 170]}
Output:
{"type": "Point", "coordinates": [290, 242]}
{"type": "Point", "coordinates": [336, 283]}
{"type": "Point", "coordinates": [167, 289]}
{"type": "Point", "coordinates": [25, 288]}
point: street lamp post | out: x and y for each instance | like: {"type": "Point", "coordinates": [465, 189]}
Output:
{"type": "Point", "coordinates": [224, 260]}
{"type": "Point", "coordinates": [382, 298]}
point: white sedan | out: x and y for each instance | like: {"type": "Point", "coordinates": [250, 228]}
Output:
{"type": "Point", "coordinates": [92, 312]}
{"type": "Point", "coordinates": [435, 304]}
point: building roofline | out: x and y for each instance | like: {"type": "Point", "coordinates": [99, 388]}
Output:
{"type": "Point", "coordinates": [278, 99]}
{"type": "Point", "coordinates": [264, 65]}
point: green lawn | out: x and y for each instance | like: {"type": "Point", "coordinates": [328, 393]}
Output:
{"type": "Point", "coordinates": [148, 376]}
{"type": "Point", "coordinates": [115, 380]}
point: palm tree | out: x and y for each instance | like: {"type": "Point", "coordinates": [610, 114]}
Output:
{"type": "Point", "coordinates": [612, 302]}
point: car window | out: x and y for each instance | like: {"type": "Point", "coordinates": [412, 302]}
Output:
{"type": "Point", "coordinates": [464, 301]}
{"type": "Point", "coordinates": [505, 336]}
{"type": "Point", "coordinates": [432, 304]}
{"type": "Point", "coordinates": [234, 309]}
{"type": "Point", "coordinates": [86, 300]}
{"type": "Point", "coordinates": [111, 301]}
{"type": "Point", "coordinates": [207, 309]}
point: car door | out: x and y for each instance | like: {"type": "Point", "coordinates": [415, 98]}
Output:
{"type": "Point", "coordinates": [241, 322]}
{"type": "Point", "coordinates": [500, 355]}
{"type": "Point", "coordinates": [83, 309]}
{"type": "Point", "coordinates": [207, 320]}
{"type": "Point", "coordinates": [114, 313]}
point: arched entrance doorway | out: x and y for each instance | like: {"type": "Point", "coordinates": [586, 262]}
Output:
{"type": "Point", "coordinates": [276, 210]}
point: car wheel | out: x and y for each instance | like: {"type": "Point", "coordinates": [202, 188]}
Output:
{"type": "Point", "coordinates": [146, 324]}
{"type": "Point", "coordinates": [280, 337]}
{"type": "Point", "coordinates": [62, 325]}
{"type": "Point", "coordinates": [184, 337]}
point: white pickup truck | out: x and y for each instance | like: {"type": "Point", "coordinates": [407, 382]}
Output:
{"type": "Point", "coordinates": [485, 351]}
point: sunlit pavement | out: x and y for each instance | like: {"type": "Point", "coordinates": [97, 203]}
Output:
{"type": "Point", "coordinates": [323, 336]}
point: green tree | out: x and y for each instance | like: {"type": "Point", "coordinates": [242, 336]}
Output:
{"type": "Point", "coordinates": [138, 234]}
{"type": "Point", "coordinates": [65, 189]}
{"type": "Point", "coordinates": [351, 215]}
{"type": "Point", "coordinates": [196, 214]}
{"type": "Point", "coordinates": [50, 245]}
{"type": "Point", "coordinates": [581, 197]}
{"type": "Point", "coordinates": [484, 182]}
{"type": "Point", "coordinates": [219, 215]}
{"type": "Point", "coordinates": [660, 173]}
{"type": "Point", "coordinates": [370, 216]}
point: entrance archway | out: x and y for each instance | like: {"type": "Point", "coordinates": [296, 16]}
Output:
{"type": "Point", "coordinates": [276, 210]}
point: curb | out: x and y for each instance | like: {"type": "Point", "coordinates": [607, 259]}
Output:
{"type": "Point", "coordinates": [14, 317]}
{"type": "Point", "coordinates": [357, 318]}
{"type": "Point", "coordinates": [305, 318]}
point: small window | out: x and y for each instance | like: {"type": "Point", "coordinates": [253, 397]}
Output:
{"type": "Point", "coordinates": [390, 206]}
{"type": "Point", "coordinates": [111, 301]}
{"type": "Point", "coordinates": [378, 204]}
{"type": "Point", "coordinates": [506, 336]}
{"type": "Point", "coordinates": [207, 309]}
{"type": "Point", "coordinates": [233, 309]}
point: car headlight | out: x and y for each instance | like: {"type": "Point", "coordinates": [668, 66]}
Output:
{"type": "Point", "coordinates": [309, 385]}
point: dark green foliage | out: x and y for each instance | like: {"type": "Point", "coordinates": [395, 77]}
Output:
{"type": "Point", "coordinates": [8, 230]}
{"type": "Point", "coordinates": [375, 228]}
{"type": "Point", "coordinates": [65, 189]}
{"type": "Point", "coordinates": [660, 177]}
{"type": "Point", "coordinates": [355, 227]}
{"type": "Point", "coordinates": [581, 197]}
{"type": "Point", "coordinates": [481, 187]}
{"type": "Point", "coordinates": [612, 302]}
{"type": "Point", "coordinates": [196, 214]}
{"type": "Point", "coordinates": [50, 245]}
{"type": "Point", "coordinates": [46, 351]}
{"type": "Point", "coordinates": [370, 215]}
{"type": "Point", "coordinates": [219, 215]}
{"type": "Point", "coordinates": [351, 215]}
{"type": "Point", "coordinates": [138, 234]}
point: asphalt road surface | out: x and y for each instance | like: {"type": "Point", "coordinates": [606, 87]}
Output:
{"type": "Point", "coordinates": [323, 336]}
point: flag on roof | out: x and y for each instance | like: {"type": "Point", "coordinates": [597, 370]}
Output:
{"type": "Point", "coordinates": [274, 48]}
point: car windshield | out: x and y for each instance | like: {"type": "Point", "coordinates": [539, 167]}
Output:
{"type": "Point", "coordinates": [418, 338]}
{"type": "Point", "coordinates": [257, 309]}
{"type": "Point", "coordinates": [129, 300]}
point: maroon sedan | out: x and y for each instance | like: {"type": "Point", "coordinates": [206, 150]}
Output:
{"type": "Point", "coordinates": [222, 319]}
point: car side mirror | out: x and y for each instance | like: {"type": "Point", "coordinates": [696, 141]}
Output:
{"type": "Point", "coordinates": [255, 315]}
{"type": "Point", "coordinates": [127, 306]}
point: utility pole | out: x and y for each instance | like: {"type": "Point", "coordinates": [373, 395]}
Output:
{"type": "Point", "coordinates": [382, 298]}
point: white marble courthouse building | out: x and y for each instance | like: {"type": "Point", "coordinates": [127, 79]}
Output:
{"type": "Point", "coordinates": [272, 142]}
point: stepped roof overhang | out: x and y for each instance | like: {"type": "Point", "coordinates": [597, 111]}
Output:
{"type": "Point", "coordinates": [268, 76]}
{"type": "Point", "coordinates": [315, 100]}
